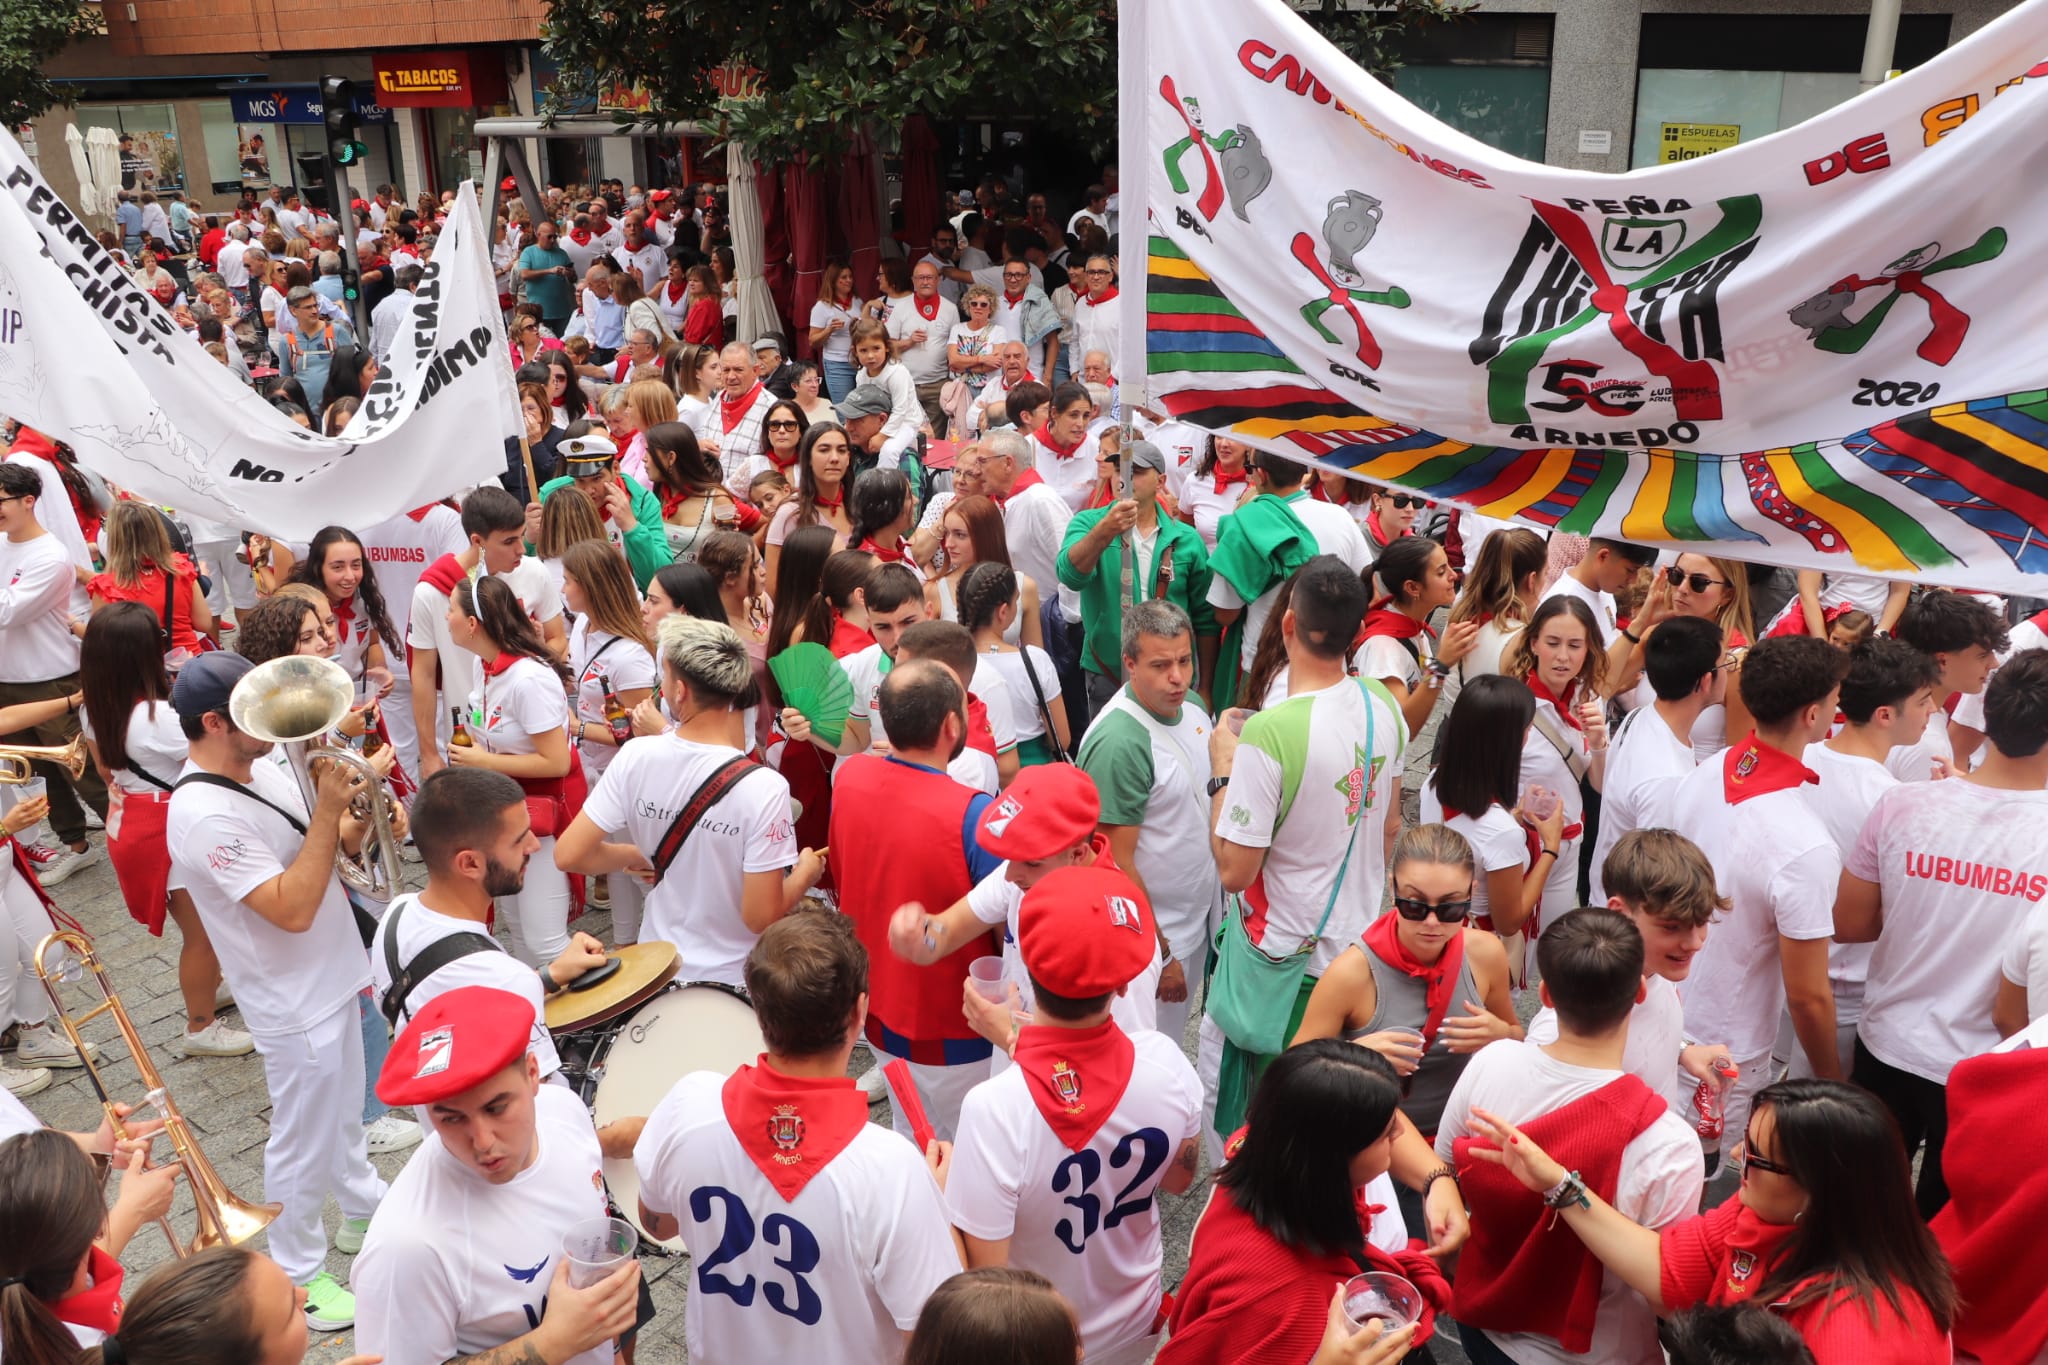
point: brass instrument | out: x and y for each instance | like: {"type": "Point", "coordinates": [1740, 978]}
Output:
{"type": "Point", "coordinates": [225, 1218]}
{"type": "Point", "coordinates": [293, 701]}
{"type": "Point", "coordinates": [16, 758]}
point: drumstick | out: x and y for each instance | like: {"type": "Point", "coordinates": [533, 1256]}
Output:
{"type": "Point", "coordinates": [905, 1096]}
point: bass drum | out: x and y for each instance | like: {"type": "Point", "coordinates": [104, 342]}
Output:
{"type": "Point", "coordinates": [691, 1026]}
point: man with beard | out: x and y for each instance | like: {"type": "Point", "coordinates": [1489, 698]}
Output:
{"type": "Point", "coordinates": [472, 831]}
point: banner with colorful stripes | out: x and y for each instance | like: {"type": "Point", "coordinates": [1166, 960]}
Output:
{"type": "Point", "coordinates": [1823, 348]}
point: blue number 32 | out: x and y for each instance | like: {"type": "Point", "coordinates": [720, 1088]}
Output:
{"type": "Point", "coordinates": [1080, 1172]}
{"type": "Point", "coordinates": [779, 1230]}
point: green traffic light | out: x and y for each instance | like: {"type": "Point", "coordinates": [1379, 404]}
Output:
{"type": "Point", "coordinates": [350, 153]}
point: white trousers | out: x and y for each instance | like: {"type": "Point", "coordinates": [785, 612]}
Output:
{"type": "Point", "coordinates": [629, 903]}
{"type": "Point", "coordinates": [22, 997]}
{"type": "Point", "coordinates": [397, 712]}
{"type": "Point", "coordinates": [1209, 1069]}
{"type": "Point", "coordinates": [942, 1089]}
{"type": "Point", "coordinates": [1173, 1016]}
{"type": "Point", "coordinates": [534, 925]}
{"type": "Point", "coordinates": [1755, 1074]}
{"type": "Point", "coordinates": [231, 579]}
{"type": "Point", "coordinates": [316, 1145]}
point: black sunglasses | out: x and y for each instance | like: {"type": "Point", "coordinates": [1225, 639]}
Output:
{"type": "Point", "coordinates": [1699, 582]}
{"type": "Point", "coordinates": [1449, 912]}
{"type": "Point", "coordinates": [1405, 500]}
{"type": "Point", "coordinates": [780, 425]}
{"type": "Point", "coordinates": [1750, 1158]}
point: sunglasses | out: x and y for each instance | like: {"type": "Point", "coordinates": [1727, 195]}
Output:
{"type": "Point", "coordinates": [1448, 912]}
{"type": "Point", "coordinates": [1402, 501]}
{"type": "Point", "coordinates": [780, 426]}
{"type": "Point", "coordinates": [1698, 582]}
{"type": "Point", "coordinates": [1750, 1158]}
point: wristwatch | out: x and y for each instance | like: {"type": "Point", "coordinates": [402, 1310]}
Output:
{"type": "Point", "coordinates": [1217, 784]}
{"type": "Point", "coordinates": [1566, 1192]}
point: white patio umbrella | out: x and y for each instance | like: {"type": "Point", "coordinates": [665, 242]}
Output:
{"type": "Point", "coordinates": [88, 197]}
{"type": "Point", "coordinates": [757, 304]}
{"type": "Point", "coordinates": [103, 153]}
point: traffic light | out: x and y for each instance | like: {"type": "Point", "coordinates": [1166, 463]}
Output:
{"type": "Point", "coordinates": [337, 98]}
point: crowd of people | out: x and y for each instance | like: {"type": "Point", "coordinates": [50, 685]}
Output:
{"type": "Point", "coordinates": [1628, 970]}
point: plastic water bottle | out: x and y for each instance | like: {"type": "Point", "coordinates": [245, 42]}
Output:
{"type": "Point", "coordinates": [1707, 1100]}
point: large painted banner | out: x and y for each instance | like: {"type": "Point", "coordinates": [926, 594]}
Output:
{"type": "Point", "coordinates": [1822, 348]}
{"type": "Point", "coordinates": [88, 358]}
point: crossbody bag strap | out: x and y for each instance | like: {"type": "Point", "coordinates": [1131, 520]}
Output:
{"type": "Point", "coordinates": [1574, 759]}
{"type": "Point", "coordinates": [216, 780]}
{"type": "Point", "coordinates": [147, 776]}
{"type": "Point", "coordinates": [430, 959]}
{"type": "Point", "coordinates": [1045, 712]}
{"type": "Point", "coordinates": [713, 789]}
{"type": "Point", "coordinates": [1364, 798]}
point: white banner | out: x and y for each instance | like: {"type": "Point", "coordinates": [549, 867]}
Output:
{"type": "Point", "coordinates": [88, 359]}
{"type": "Point", "coordinates": [1823, 347]}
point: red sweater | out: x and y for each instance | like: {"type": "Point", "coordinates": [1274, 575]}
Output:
{"type": "Point", "coordinates": [1998, 1201]}
{"type": "Point", "coordinates": [1722, 1256]}
{"type": "Point", "coordinates": [1249, 1297]}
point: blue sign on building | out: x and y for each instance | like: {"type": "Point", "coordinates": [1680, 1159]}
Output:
{"type": "Point", "coordinates": [296, 104]}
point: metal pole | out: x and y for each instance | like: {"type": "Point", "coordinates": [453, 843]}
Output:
{"type": "Point", "coordinates": [345, 219]}
{"type": "Point", "coordinates": [1878, 41]}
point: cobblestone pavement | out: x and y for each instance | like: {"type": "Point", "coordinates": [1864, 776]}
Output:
{"type": "Point", "coordinates": [224, 1100]}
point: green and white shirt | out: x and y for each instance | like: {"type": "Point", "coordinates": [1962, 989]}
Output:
{"type": "Point", "coordinates": [1153, 772]}
{"type": "Point", "coordinates": [1309, 770]}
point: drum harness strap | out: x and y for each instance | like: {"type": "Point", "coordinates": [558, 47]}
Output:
{"type": "Point", "coordinates": [722, 780]}
{"type": "Point", "coordinates": [431, 959]}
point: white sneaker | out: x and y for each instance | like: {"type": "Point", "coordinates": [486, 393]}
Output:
{"type": "Point", "coordinates": [24, 1080]}
{"type": "Point", "coordinates": [65, 862]}
{"type": "Point", "coordinates": [391, 1134]}
{"type": "Point", "coordinates": [92, 818]}
{"type": "Point", "coordinates": [874, 1084]}
{"type": "Point", "coordinates": [44, 1046]}
{"type": "Point", "coordinates": [224, 998]}
{"type": "Point", "coordinates": [215, 1040]}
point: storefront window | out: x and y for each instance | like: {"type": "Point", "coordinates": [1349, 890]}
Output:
{"type": "Point", "coordinates": [453, 149]}
{"type": "Point", "coordinates": [223, 143]}
{"type": "Point", "coordinates": [155, 160]}
{"type": "Point", "coordinates": [1487, 75]}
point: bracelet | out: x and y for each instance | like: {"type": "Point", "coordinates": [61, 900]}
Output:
{"type": "Point", "coordinates": [1631, 636]}
{"type": "Point", "coordinates": [1547, 849]}
{"type": "Point", "coordinates": [550, 986]}
{"type": "Point", "coordinates": [1441, 1173]}
{"type": "Point", "coordinates": [1566, 1192]}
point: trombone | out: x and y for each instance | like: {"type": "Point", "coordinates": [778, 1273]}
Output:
{"type": "Point", "coordinates": [294, 700]}
{"type": "Point", "coordinates": [225, 1218]}
{"type": "Point", "coordinates": [15, 760]}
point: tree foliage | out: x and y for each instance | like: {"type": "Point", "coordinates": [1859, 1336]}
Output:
{"type": "Point", "coordinates": [32, 32]}
{"type": "Point", "coordinates": [826, 67]}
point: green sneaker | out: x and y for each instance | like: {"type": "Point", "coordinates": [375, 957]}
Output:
{"type": "Point", "coordinates": [329, 1307]}
{"type": "Point", "coordinates": [348, 1238]}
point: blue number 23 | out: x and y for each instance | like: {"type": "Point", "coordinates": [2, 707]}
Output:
{"type": "Point", "coordinates": [779, 1230]}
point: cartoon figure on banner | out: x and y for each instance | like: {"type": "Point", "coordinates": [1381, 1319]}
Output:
{"type": "Point", "coordinates": [1243, 173]}
{"type": "Point", "coordinates": [1641, 273]}
{"type": "Point", "coordinates": [1348, 227]}
{"type": "Point", "coordinates": [1825, 315]}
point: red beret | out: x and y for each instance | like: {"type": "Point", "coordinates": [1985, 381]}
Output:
{"type": "Point", "coordinates": [508, 184]}
{"type": "Point", "coordinates": [660, 196]}
{"type": "Point", "coordinates": [1049, 808]}
{"type": "Point", "coordinates": [1085, 931]}
{"type": "Point", "coordinates": [460, 1039]}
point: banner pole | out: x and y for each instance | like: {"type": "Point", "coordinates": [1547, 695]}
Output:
{"type": "Point", "coordinates": [1134, 228]}
{"type": "Point", "coordinates": [526, 454]}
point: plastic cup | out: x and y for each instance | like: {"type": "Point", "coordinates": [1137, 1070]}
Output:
{"type": "Point", "coordinates": [34, 789]}
{"type": "Point", "coordinates": [597, 1247]}
{"type": "Point", "coordinates": [987, 974]}
{"type": "Point", "coordinates": [1379, 1297]}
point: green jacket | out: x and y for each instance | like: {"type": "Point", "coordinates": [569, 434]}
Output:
{"type": "Point", "coordinates": [647, 543]}
{"type": "Point", "coordinates": [1258, 547]}
{"type": "Point", "coordinates": [1102, 613]}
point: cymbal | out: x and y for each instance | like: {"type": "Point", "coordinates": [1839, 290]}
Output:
{"type": "Point", "coordinates": [644, 969]}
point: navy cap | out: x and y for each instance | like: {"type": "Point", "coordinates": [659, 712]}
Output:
{"type": "Point", "coordinates": [205, 683]}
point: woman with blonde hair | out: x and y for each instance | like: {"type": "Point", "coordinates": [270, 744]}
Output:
{"type": "Point", "coordinates": [971, 349]}
{"type": "Point", "coordinates": [611, 661]}
{"type": "Point", "coordinates": [832, 319]}
{"type": "Point", "coordinates": [641, 313]}
{"type": "Point", "coordinates": [648, 403]}
{"type": "Point", "coordinates": [695, 374]}
{"type": "Point", "coordinates": [1500, 592]}
{"type": "Point", "coordinates": [143, 566]}
{"type": "Point", "coordinates": [1714, 590]}
{"type": "Point", "coordinates": [566, 517]}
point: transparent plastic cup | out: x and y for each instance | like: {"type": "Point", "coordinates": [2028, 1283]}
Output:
{"type": "Point", "coordinates": [987, 974]}
{"type": "Point", "coordinates": [1380, 1297]}
{"type": "Point", "coordinates": [597, 1247]}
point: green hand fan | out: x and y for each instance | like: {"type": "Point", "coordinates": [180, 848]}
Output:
{"type": "Point", "coordinates": [814, 685]}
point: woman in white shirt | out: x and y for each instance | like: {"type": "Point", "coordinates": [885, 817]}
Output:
{"type": "Point", "coordinates": [988, 606]}
{"type": "Point", "coordinates": [672, 296]}
{"type": "Point", "coordinates": [971, 532]}
{"type": "Point", "coordinates": [611, 655]}
{"type": "Point", "coordinates": [971, 349]}
{"type": "Point", "coordinates": [695, 374]}
{"type": "Point", "coordinates": [1500, 592]}
{"type": "Point", "coordinates": [518, 724]}
{"type": "Point", "coordinates": [832, 319]}
{"type": "Point", "coordinates": [1475, 790]}
{"type": "Point", "coordinates": [1558, 656]}
{"type": "Point", "coordinates": [139, 748]}
{"type": "Point", "coordinates": [1220, 482]}
{"type": "Point", "coordinates": [337, 564]}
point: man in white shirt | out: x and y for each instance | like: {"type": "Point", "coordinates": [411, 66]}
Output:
{"type": "Point", "coordinates": [1096, 211]}
{"type": "Point", "coordinates": [1964, 635]}
{"type": "Point", "coordinates": [920, 328]}
{"type": "Point", "coordinates": [742, 405]}
{"type": "Point", "coordinates": [1652, 751]}
{"type": "Point", "coordinates": [1034, 516]}
{"type": "Point", "coordinates": [1098, 323]}
{"type": "Point", "coordinates": [1609, 566]}
{"type": "Point", "coordinates": [469, 1256]}
{"type": "Point", "coordinates": [292, 218]}
{"type": "Point", "coordinates": [1332, 527]}
{"type": "Point", "coordinates": [391, 310]}
{"type": "Point", "coordinates": [641, 255]}
{"type": "Point", "coordinates": [443, 673]}
{"type": "Point", "coordinates": [714, 826]}
{"type": "Point", "coordinates": [233, 273]}
{"type": "Point", "coordinates": [989, 410]}
{"type": "Point", "coordinates": [1773, 858]}
{"type": "Point", "coordinates": [1083, 1096]}
{"type": "Point", "coordinates": [1572, 1094]}
{"type": "Point", "coordinates": [1941, 874]}
{"type": "Point", "coordinates": [260, 868]}
{"type": "Point", "coordinates": [38, 652]}
{"type": "Point", "coordinates": [776, 1173]}
{"type": "Point", "coordinates": [1886, 700]}
{"type": "Point", "coordinates": [473, 833]}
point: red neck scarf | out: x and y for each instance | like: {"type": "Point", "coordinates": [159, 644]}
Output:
{"type": "Point", "coordinates": [928, 310]}
{"type": "Point", "coordinates": [419, 514]}
{"type": "Point", "coordinates": [506, 658]}
{"type": "Point", "coordinates": [1014, 299]}
{"type": "Point", "coordinates": [676, 291]}
{"type": "Point", "coordinates": [777, 460]}
{"type": "Point", "coordinates": [580, 236]}
{"type": "Point", "coordinates": [1076, 1077]}
{"type": "Point", "coordinates": [980, 734]}
{"type": "Point", "coordinates": [874, 547]}
{"type": "Point", "coordinates": [444, 573]}
{"type": "Point", "coordinates": [1381, 538]}
{"type": "Point", "coordinates": [1096, 301]}
{"type": "Point", "coordinates": [1225, 479]}
{"type": "Point", "coordinates": [670, 501]}
{"type": "Point", "coordinates": [100, 1305]}
{"type": "Point", "coordinates": [1753, 768]}
{"type": "Point", "coordinates": [1044, 435]}
{"type": "Point", "coordinates": [1566, 712]}
{"type": "Point", "coordinates": [731, 411]}
{"type": "Point", "coordinates": [791, 1127]}
{"type": "Point", "coordinates": [847, 638]}
{"type": "Point", "coordinates": [1382, 939]}
{"type": "Point", "coordinates": [345, 617]}
{"type": "Point", "coordinates": [829, 504]}
{"type": "Point", "coordinates": [1030, 478]}
{"type": "Point", "coordinates": [1384, 620]}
